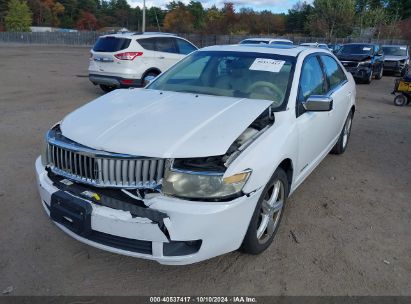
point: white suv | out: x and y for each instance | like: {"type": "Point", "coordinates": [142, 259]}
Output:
{"type": "Point", "coordinates": [129, 59]}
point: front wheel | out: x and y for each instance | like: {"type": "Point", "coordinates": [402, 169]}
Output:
{"type": "Point", "coordinates": [267, 214]}
{"type": "Point", "coordinates": [342, 142]}
{"type": "Point", "coordinates": [369, 78]}
{"type": "Point", "coordinates": [380, 73]}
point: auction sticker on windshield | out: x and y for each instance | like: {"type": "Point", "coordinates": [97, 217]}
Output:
{"type": "Point", "coordinates": [267, 65]}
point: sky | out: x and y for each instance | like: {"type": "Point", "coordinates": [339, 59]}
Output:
{"type": "Point", "coordinates": [275, 6]}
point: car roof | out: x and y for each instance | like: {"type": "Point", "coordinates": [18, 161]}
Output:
{"type": "Point", "coordinates": [313, 43]}
{"type": "Point", "coordinates": [145, 35]}
{"type": "Point", "coordinates": [361, 43]}
{"type": "Point", "coordinates": [284, 50]}
{"type": "Point", "coordinates": [268, 39]}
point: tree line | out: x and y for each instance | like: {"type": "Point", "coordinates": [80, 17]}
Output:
{"type": "Point", "coordinates": [325, 18]}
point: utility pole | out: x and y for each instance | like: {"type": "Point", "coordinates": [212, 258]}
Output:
{"type": "Point", "coordinates": [144, 16]}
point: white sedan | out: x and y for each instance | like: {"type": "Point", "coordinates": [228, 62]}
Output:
{"type": "Point", "coordinates": [201, 161]}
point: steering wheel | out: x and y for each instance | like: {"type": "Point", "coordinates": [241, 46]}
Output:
{"type": "Point", "coordinates": [256, 89]}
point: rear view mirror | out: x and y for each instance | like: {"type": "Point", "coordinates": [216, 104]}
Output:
{"type": "Point", "coordinates": [318, 103]}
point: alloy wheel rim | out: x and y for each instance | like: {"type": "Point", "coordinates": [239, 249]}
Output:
{"type": "Point", "coordinates": [270, 211]}
{"type": "Point", "coordinates": [346, 132]}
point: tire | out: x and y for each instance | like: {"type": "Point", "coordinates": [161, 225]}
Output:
{"type": "Point", "coordinates": [369, 79]}
{"type": "Point", "coordinates": [400, 100]}
{"type": "Point", "coordinates": [149, 74]}
{"type": "Point", "coordinates": [380, 73]}
{"type": "Point", "coordinates": [404, 72]}
{"type": "Point", "coordinates": [342, 142]}
{"type": "Point", "coordinates": [267, 215]}
{"type": "Point", "coordinates": [106, 88]}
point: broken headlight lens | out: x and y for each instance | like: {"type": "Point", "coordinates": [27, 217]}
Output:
{"type": "Point", "coordinates": [199, 185]}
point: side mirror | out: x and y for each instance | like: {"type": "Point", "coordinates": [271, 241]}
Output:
{"type": "Point", "coordinates": [148, 80]}
{"type": "Point", "coordinates": [318, 103]}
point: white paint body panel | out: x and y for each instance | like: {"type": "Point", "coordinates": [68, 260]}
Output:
{"type": "Point", "coordinates": [220, 226]}
{"type": "Point", "coordinates": [157, 124]}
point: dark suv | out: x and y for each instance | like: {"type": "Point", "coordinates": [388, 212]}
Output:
{"type": "Point", "coordinates": [362, 60]}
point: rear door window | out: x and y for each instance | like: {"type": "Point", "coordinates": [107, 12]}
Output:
{"type": "Point", "coordinates": [166, 45]}
{"type": "Point", "coordinates": [184, 47]}
{"type": "Point", "coordinates": [111, 44]}
{"type": "Point", "coordinates": [148, 43]}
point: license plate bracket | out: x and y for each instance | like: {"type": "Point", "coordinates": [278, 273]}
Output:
{"type": "Point", "coordinates": [72, 212]}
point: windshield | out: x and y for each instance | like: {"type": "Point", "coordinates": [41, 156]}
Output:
{"type": "Point", "coordinates": [359, 49]}
{"type": "Point", "coordinates": [231, 74]}
{"type": "Point", "coordinates": [395, 50]}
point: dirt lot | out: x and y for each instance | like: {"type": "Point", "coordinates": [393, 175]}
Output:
{"type": "Point", "coordinates": [346, 231]}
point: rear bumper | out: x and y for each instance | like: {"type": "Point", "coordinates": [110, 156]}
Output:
{"type": "Point", "coordinates": [214, 227]}
{"type": "Point", "coordinates": [113, 81]}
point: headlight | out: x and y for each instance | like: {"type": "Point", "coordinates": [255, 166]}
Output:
{"type": "Point", "coordinates": [402, 61]}
{"type": "Point", "coordinates": [367, 62]}
{"type": "Point", "coordinates": [197, 185]}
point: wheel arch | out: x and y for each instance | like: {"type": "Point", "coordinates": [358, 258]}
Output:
{"type": "Point", "coordinates": [287, 166]}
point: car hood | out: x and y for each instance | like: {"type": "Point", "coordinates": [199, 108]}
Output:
{"type": "Point", "coordinates": [395, 58]}
{"type": "Point", "coordinates": [161, 124]}
{"type": "Point", "coordinates": [353, 57]}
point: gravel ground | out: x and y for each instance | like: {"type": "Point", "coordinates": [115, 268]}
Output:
{"type": "Point", "coordinates": [346, 231]}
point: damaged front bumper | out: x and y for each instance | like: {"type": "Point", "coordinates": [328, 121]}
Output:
{"type": "Point", "coordinates": [168, 230]}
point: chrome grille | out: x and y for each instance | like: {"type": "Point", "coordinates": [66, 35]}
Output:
{"type": "Point", "coordinates": [106, 171]}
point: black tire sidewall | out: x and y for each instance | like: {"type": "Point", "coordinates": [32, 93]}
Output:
{"type": "Point", "coordinates": [250, 243]}
{"type": "Point", "coordinates": [106, 88]}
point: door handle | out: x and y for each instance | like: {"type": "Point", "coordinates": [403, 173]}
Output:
{"type": "Point", "coordinates": [161, 57]}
